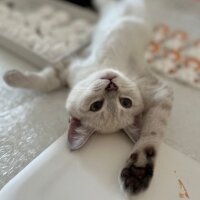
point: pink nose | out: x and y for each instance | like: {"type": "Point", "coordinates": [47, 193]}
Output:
{"type": "Point", "coordinates": [111, 87]}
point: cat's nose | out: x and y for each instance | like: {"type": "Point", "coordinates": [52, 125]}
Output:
{"type": "Point", "coordinates": [111, 87]}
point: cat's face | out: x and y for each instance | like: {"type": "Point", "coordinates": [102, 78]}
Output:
{"type": "Point", "coordinates": [104, 102]}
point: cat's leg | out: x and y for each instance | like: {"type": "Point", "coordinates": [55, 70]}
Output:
{"type": "Point", "coordinates": [139, 169]}
{"type": "Point", "coordinates": [46, 80]}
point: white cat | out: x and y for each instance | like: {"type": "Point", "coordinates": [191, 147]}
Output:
{"type": "Point", "coordinates": [112, 89]}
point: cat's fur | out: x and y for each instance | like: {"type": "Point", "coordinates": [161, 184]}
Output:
{"type": "Point", "coordinates": [117, 53]}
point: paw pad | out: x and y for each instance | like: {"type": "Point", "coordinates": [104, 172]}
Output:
{"type": "Point", "coordinates": [136, 179]}
{"type": "Point", "coordinates": [14, 78]}
{"type": "Point", "coordinates": [134, 157]}
{"type": "Point", "coordinates": [150, 152]}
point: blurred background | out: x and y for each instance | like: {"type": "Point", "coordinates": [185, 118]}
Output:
{"type": "Point", "coordinates": [36, 32]}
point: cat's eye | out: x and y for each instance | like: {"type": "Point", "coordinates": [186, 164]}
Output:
{"type": "Point", "coordinates": [126, 102]}
{"type": "Point", "coordinates": [96, 106]}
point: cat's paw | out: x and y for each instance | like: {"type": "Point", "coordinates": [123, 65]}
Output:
{"type": "Point", "coordinates": [136, 178]}
{"type": "Point", "coordinates": [15, 78]}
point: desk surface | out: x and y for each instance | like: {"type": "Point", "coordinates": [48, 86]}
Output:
{"type": "Point", "coordinates": [92, 173]}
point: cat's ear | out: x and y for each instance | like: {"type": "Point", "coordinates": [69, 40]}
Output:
{"type": "Point", "coordinates": [78, 135]}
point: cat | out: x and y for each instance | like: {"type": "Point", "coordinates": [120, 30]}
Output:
{"type": "Point", "coordinates": [112, 89]}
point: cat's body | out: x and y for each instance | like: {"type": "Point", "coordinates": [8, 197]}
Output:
{"type": "Point", "coordinates": [112, 90]}
{"type": "Point", "coordinates": [114, 43]}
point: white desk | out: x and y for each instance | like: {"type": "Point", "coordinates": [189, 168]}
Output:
{"type": "Point", "coordinates": [92, 173]}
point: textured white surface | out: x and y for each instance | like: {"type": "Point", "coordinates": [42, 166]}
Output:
{"type": "Point", "coordinates": [29, 121]}
{"type": "Point", "coordinates": [92, 173]}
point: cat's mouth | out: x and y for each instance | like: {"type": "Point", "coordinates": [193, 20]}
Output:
{"type": "Point", "coordinates": [111, 85]}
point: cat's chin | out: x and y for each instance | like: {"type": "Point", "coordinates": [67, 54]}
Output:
{"type": "Point", "coordinates": [109, 74]}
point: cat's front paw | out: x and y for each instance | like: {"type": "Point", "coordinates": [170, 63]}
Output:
{"type": "Point", "coordinates": [138, 172]}
{"type": "Point", "coordinates": [15, 78]}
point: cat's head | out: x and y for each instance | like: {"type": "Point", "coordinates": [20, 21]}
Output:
{"type": "Point", "coordinates": [104, 102]}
